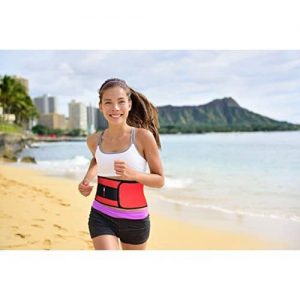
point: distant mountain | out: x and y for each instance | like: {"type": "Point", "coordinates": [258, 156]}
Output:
{"type": "Point", "coordinates": [218, 115]}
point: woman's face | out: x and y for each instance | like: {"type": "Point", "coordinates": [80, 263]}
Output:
{"type": "Point", "coordinates": [115, 105]}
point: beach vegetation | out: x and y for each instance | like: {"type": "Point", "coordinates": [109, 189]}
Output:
{"type": "Point", "coordinates": [44, 130]}
{"type": "Point", "coordinates": [14, 100]}
{"type": "Point", "coordinates": [9, 128]}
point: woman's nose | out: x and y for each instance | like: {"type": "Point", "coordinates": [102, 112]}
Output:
{"type": "Point", "coordinates": [116, 106]}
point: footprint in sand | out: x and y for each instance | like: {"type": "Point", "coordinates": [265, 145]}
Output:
{"type": "Point", "coordinates": [65, 204]}
{"type": "Point", "coordinates": [48, 194]}
{"type": "Point", "coordinates": [37, 219]}
{"type": "Point", "coordinates": [60, 236]}
{"type": "Point", "coordinates": [5, 216]}
{"type": "Point", "coordinates": [36, 225]}
{"type": "Point", "coordinates": [62, 203]}
{"type": "Point", "coordinates": [23, 236]}
{"type": "Point", "coordinates": [37, 190]}
{"type": "Point", "coordinates": [34, 242]}
{"type": "Point", "coordinates": [59, 227]}
{"type": "Point", "coordinates": [47, 244]}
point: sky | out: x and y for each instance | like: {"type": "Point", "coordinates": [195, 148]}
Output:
{"type": "Point", "coordinates": [265, 82]}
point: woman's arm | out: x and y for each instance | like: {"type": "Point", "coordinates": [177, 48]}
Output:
{"type": "Point", "coordinates": [156, 177]}
{"type": "Point", "coordinates": [84, 186]}
{"type": "Point", "coordinates": [92, 170]}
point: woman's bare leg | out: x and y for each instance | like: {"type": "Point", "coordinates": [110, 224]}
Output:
{"type": "Point", "coordinates": [106, 242]}
{"type": "Point", "coordinates": [134, 247]}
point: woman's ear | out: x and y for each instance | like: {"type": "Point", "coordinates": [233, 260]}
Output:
{"type": "Point", "coordinates": [100, 106]}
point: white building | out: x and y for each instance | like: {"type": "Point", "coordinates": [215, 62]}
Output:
{"type": "Point", "coordinates": [77, 115]}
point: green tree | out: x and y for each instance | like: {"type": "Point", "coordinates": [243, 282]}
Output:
{"type": "Point", "coordinates": [40, 129]}
{"type": "Point", "coordinates": [15, 100]}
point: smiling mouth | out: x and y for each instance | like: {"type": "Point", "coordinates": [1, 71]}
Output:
{"type": "Point", "coordinates": [116, 116]}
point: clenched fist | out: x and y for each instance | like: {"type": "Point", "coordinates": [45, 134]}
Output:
{"type": "Point", "coordinates": [123, 170]}
{"type": "Point", "coordinates": [84, 187]}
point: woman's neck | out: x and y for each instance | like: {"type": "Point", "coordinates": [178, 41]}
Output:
{"type": "Point", "coordinates": [118, 131]}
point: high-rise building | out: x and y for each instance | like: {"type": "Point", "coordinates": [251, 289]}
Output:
{"type": "Point", "coordinates": [101, 122]}
{"type": "Point", "coordinates": [95, 119]}
{"type": "Point", "coordinates": [46, 104]}
{"type": "Point", "coordinates": [42, 104]}
{"type": "Point", "coordinates": [91, 119]}
{"type": "Point", "coordinates": [77, 115]}
{"type": "Point", "coordinates": [52, 105]}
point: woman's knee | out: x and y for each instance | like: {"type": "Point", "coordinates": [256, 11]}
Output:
{"type": "Point", "coordinates": [106, 242]}
{"type": "Point", "coordinates": [134, 247]}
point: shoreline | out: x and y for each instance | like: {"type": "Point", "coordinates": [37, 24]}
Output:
{"type": "Point", "coordinates": [45, 212]}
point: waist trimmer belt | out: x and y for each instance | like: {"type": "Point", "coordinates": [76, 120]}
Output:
{"type": "Point", "coordinates": [122, 194]}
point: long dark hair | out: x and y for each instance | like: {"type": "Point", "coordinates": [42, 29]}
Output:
{"type": "Point", "coordinates": [143, 113]}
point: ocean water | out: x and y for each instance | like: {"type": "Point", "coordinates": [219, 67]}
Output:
{"type": "Point", "coordinates": [240, 174]}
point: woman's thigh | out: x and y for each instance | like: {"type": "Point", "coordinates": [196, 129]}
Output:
{"type": "Point", "coordinates": [106, 242]}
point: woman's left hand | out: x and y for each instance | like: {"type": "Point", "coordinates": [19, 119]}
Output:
{"type": "Point", "coordinates": [123, 170]}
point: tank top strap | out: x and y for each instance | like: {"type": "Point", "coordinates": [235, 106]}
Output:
{"type": "Point", "coordinates": [100, 138]}
{"type": "Point", "coordinates": [133, 135]}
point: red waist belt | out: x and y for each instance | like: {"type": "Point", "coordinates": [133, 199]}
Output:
{"type": "Point", "coordinates": [119, 193]}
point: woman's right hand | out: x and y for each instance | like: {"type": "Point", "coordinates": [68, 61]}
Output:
{"type": "Point", "coordinates": [84, 187]}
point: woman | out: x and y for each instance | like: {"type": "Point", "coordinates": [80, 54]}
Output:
{"type": "Point", "coordinates": [121, 153]}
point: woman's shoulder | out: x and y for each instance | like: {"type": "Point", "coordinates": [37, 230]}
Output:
{"type": "Point", "coordinates": [93, 138]}
{"type": "Point", "coordinates": [144, 135]}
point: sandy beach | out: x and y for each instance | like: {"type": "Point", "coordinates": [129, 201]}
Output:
{"type": "Point", "coordinates": [42, 212]}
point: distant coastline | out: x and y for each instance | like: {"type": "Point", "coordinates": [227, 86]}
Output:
{"type": "Point", "coordinates": [219, 115]}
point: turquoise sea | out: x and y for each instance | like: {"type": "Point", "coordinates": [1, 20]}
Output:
{"type": "Point", "coordinates": [246, 181]}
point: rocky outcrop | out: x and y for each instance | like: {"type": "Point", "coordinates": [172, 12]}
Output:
{"type": "Point", "coordinates": [13, 143]}
{"type": "Point", "coordinates": [28, 159]}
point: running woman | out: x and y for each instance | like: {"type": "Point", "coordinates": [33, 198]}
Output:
{"type": "Point", "coordinates": [125, 158]}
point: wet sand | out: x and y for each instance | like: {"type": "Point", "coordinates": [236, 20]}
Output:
{"type": "Point", "coordinates": [42, 212]}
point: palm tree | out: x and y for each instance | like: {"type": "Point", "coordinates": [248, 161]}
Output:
{"type": "Point", "coordinates": [15, 100]}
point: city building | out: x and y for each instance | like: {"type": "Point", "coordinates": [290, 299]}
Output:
{"type": "Point", "coordinates": [10, 118]}
{"type": "Point", "coordinates": [46, 104]}
{"type": "Point", "coordinates": [23, 81]}
{"type": "Point", "coordinates": [52, 105]}
{"type": "Point", "coordinates": [77, 115]}
{"type": "Point", "coordinates": [53, 121]}
{"type": "Point", "coordinates": [91, 119]}
{"type": "Point", "coordinates": [101, 123]}
{"type": "Point", "coordinates": [95, 119]}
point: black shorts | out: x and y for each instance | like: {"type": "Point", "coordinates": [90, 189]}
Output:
{"type": "Point", "coordinates": [129, 231]}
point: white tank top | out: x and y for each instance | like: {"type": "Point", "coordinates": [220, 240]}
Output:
{"type": "Point", "coordinates": [133, 159]}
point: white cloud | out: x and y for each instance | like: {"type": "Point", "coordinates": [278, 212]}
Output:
{"type": "Point", "coordinates": [266, 82]}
